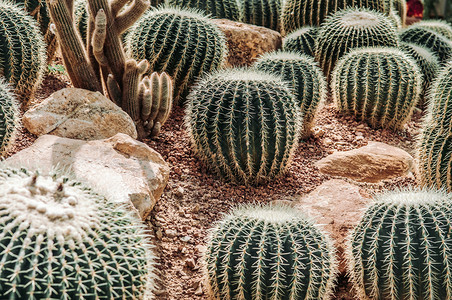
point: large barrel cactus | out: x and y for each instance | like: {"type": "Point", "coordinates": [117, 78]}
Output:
{"type": "Point", "coordinates": [401, 7]}
{"type": "Point", "coordinates": [22, 49]}
{"type": "Point", "coordinates": [378, 85]}
{"type": "Point", "coordinates": [401, 249]}
{"type": "Point", "coordinates": [264, 13]}
{"type": "Point", "coordinates": [438, 26]}
{"type": "Point", "coordinates": [305, 78]}
{"type": "Point", "coordinates": [60, 240]}
{"type": "Point", "coordinates": [435, 143]}
{"type": "Point", "coordinates": [9, 117]}
{"type": "Point", "coordinates": [244, 124]}
{"type": "Point", "coordinates": [182, 43]}
{"type": "Point", "coordinates": [352, 28]}
{"type": "Point", "coordinates": [269, 252]}
{"type": "Point", "coordinates": [301, 40]}
{"type": "Point", "coordinates": [222, 9]}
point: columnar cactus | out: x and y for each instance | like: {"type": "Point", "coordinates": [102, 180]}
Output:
{"type": "Point", "coordinates": [22, 50]}
{"type": "Point", "coordinates": [60, 240]}
{"type": "Point", "coordinates": [222, 9]}
{"type": "Point", "coordinates": [378, 85]}
{"type": "Point", "coordinates": [401, 7]}
{"type": "Point", "coordinates": [434, 149]}
{"type": "Point", "coordinates": [9, 117]}
{"type": "Point", "coordinates": [81, 17]}
{"type": "Point", "coordinates": [305, 78]}
{"type": "Point", "coordinates": [436, 43]}
{"type": "Point", "coordinates": [261, 12]}
{"type": "Point", "coordinates": [438, 26]}
{"type": "Point", "coordinates": [269, 252]}
{"type": "Point", "coordinates": [401, 249]}
{"type": "Point", "coordinates": [352, 28]}
{"type": "Point", "coordinates": [182, 43]}
{"type": "Point", "coordinates": [301, 40]}
{"type": "Point", "coordinates": [244, 124]}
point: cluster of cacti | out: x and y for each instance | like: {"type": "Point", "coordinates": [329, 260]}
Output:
{"type": "Point", "coordinates": [261, 12]}
{"type": "Point", "coordinates": [305, 78]}
{"type": "Point", "coordinates": [438, 26]}
{"type": "Point", "coordinates": [400, 7]}
{"type": "Point", "coordinates": [435, 143]}
{"type": "Point", "coordinates": [223, 9]}
{"type": "Point", "coordinates": [60, 240]}
{"type": "Point", "coordinates": [378, 85]}
{"type": "Point", "coordinates": [368, 29]}
{"type": "Point", "coordinates": [182, 43]}
{"type": "Point", "coordinates": [244, 124]}
{"type": "Point", "coordinates": [301, 40]}
{"type": "Point", "coordinates": [401, 249]}
{"type": "Point", "coordinates": [22, 49]}
{"type": "Point", "coordinates": [298, 13]}
{"type": "Point", "coordinates": [436, 43]}
{"type": "Point", "coordinates": [9, 117]}
{"type": "Point", "coordinates": [269, 252]}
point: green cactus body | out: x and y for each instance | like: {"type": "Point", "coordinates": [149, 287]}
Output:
{"type": "Point", "coordinates": [435, 142]}
{"type": "Point", "coordinates": [401, 7]}
{"type": "Point", "coordinates": [395, 19]}
{"type": "Point", "coordinates": [22, 49]}
{"type": "Point", "coordinates": [401, 249]}
{"type": "Point", "coordinates": [298, 13]}
{"type": "Point", "coordinates": [368, 29]}
{"type": "Point", "coordinates": [269, 252]}
{"type": "Point", "coordinates": [438, 26]}
{"type": "Point", "coordinates": [81, 17]}
{"type": "Point", "coordinates": [302, 40]}
{"type": "Point", "coordinates": [305, 78]}
{"type": "Point", "coordinates": [264, 13]}
{"type": "Point", "coordinates": [9, 117]}
{"type": "Point", "coordinates": [182, 43]}
{"type": "Point", "coordinates": [244, 124]}
{"type": "Point", "coordinates": [60, 240]}
{"type": "Point", "coordinates": [378, 85]}
{"type": "Point", "coordinates": [436, 43]}
{"type": "Point", "coordinates": [38, 10]}
{"type": "Point", "coordinates": [222, 9]}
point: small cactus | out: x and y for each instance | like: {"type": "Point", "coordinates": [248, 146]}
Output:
{"type": "Point", "coordinates": [352, 28]}
{"type": "Point", "coordinates": [401, 249]}
{"type": "Point", "coordinates": [301, 40]}
{"type": "Point", "coordinates": [9, 117]}
{"type": "Point", "coordinates": [222, 9]}
{"type": "Point", "coordinates": [305, 78]}
{"type": "Point", "coordinates": [60, 240]}
{"type": "Point", "coordinates": [269, 252]}
{"type": "Point", "coordinates": [438, 26]}
{"type": "Point", "coordinates": [264, 13]}
{"type": "Point", "coordinates": [244, 124]}
{"type": "Point", "coordinates": [182, 43]}
{"type": "Point", "coordinates": [378, 85]}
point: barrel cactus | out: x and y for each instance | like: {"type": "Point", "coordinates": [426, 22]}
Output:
{"type": "Point", "coordinates": [182, 43]}
{"type": "Point", "coordinates": [305, 78]}
{"type": "Point", "coordinates": [60, 240]}
{"type": "Point", "coordinates": [395, 19]}
{"type": "Point", "coordinates": [368, 29]}
{"type": "Point", "coordinates": [222, 9]}
{"type": "Point", "coordinates": [435, 142]}
{"type": "Point", "coordinates": [438, 26]}
{"type": "Point", "coordinates": [378, 85]}
{"type": "Point", "coordinates": [264, 13]}
{"type": "Point", "coordinates": [243, 124]}
{"type": "Point", "coordinates": [9, 117]}
{"type": "Point", "coordinates": [301, 40]}
{"type": "Point", "coordinates": [401, 8]}
{"type": "Point", "coordinates": [269, 252]}
{"type": "Point", "coordinates": [401, 248]}
{"type": "Point", "coordinates": [22, 49]}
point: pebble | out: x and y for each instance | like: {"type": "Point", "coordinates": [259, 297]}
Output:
{"type": "Point", "coordinates": [170, 233]}
{"type": "Point", "coordinates": [327, 141]}
{"type": "Point", "coordinates": [158, 234]}
{"type": "Point", "coordinates": [185, 238]}
{"type": "Point", "coordinates": [199, 290]}
{"type": "Point", "coordinates": [179, 192]}
{"type": "Point", "coordinates": [190, 262]}
{"type": "Point", "coordinates": [201, 248]}
{"type": "Point", "coordinates": [159, 292]}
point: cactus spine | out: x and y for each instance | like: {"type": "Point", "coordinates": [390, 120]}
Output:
{"type": "Point", "coordinates": [305, 78]}
{"type": "Point", "coordinates": [166, 38]}
{"type": "Point", "coordinates": [302, 41]}
{"type": "Point", "coordinates": [269, 252]}
{"type": "Point", "coordinates": [60, 240]}
{"type": "Point", "coordinates": [9, 117]}
{"type": "Point", "coordinates": [368, 29]}
{"type": "Point", "coordinates": [378, 85]}
{"type": "Point", "coordinates": [401, 249]}
{"type": "Point", "coordinates": [222, 9]}
{"type": "Point", "coordinates": [438, 26]}
{"type": "Point", "coordinates": [264, 13]}
{"type": "Point", "coordinates": [243, 124]}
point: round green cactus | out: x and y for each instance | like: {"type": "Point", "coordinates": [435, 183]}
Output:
{"type": "Point", "coordinates": [261, 13]}
{"type": "Point", "coordinates": [60, 240]}
{"type": "Point", "coordinates": [401, 8]}
{"type": "Point", "coordinates": [182, 43]}
{"type": "Point", "coordinates": [269, 252]}
{"type": "Point", "coordinates": [222, 9]}
{"type": "Point", "coordinates": [352, 28]}
{"type": "Point", "coordinates": [301, 40]}
{"type": "Point", "coordinates": [436, 43]}
{"type": "Point", "coordinates": [22, 49]}
{"type": "Point", "coordinates": [305, 78]}
{"type": "Point", "coordinates": [435, 142]}
{"type": "Point", "coordinates": [401, 248]}
{"type": "Point", "coordinates": [9, 117]}
{"type": "Point", "coordinates": [378, 85]}
{"type": "Point", "coordinates": [244, 124]}
{"type": "Point", "coordinates": [438, 26]}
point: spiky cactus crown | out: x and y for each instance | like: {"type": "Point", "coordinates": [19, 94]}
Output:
{"type": "Point", "coordinates": [269, 252]}
{"type": "Point", "coordinates": [9, 117]}
{"type": "Point", "coordinates": [244, 124]}
{"type": "Point", "coordinates": [301, 40]}
{"type": "Point", "coordinates": [368, 29]}
{"type": "Point", "coordinates": [224, 9]}
{"type": "Point", "coordinates": [261, 13]}
{"type": "Point", "coordinates": [401, 248]}
{"type": "Point", "coordinates": [438, 26]}
{"type": "Point", "coordinates": [60, 240]}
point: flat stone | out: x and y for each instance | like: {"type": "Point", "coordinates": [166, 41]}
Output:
{"type": "Point", "coordinates": [120, 167]}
